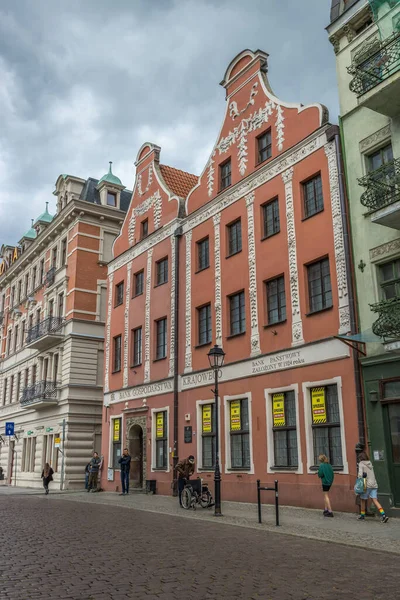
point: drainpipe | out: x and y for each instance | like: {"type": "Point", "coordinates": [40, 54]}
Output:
{"type": "Point", "coordinates": [177, 236]}
{"type": "Point", "coordinates": [334, 133]}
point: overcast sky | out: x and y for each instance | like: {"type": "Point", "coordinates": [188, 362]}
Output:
{"type": "Point", "coordinates": [85, 82]}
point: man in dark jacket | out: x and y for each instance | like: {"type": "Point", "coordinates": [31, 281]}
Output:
{"type": "Point", "coordinates": [125, 462]}
{"type": "Point", "coordinates": [184, 468]}
{"type": "Point", "coordinates": [94, 466]}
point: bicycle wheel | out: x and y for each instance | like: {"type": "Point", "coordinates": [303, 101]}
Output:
{"type": "Point", "coordinates": [205, 499]}
{"type": "Point", "coordinates": [186, 498]}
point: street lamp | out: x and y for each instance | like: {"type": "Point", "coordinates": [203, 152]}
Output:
{"type": "Point", "coordinates": [216, 358]}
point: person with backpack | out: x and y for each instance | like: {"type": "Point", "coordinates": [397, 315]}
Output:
{"type": "Point", "coordinates": [366, 471]}
{"type": "Point", "coordinates": [326, 474]}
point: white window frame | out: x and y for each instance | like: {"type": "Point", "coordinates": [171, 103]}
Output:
{"type": "Point", "coordinates": [199, 423]}
{"type": "Point", "coordinates": [268, 393]}
{"type": "Point", "coordinates": [111, 441]}
{"type": "Point", "coordinates": [228, 459]}
{"type": "Point", "coordinates": [153, 440]}
{"type": "Point", "coordinates": [307, 385]}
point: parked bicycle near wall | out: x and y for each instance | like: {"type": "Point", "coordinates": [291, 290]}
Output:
{"type": "Point", "coordinates": [196, 492]}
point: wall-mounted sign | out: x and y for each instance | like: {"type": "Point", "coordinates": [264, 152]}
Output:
{"type": "Point", "coordinates": [29, 432]}
{"type": "Point", "coordinates": [278, 410]}
{"type": "Point", "coordinates": [207, 426]}
{"type": "Point", "coordinates": [318, 405]}
{"type": "Point", "coordinates": [188, 434]}
{"type": "Point", "coordinates": [9, 259]}
{"type": "Point", "coordinates": [117, 430]}
{"type": "Point", "coordinates": [160, 425]}
{"type": "Point", "coordinates": [10, 428]}
{"type": "Point", "coordinates": [48, 429]}
{"type": "Point", "coordinates": [57, 442]}
{"type": "Point", "coordinates": [110, 474]}
{"type": "Point", "coordinates": [235, 416]}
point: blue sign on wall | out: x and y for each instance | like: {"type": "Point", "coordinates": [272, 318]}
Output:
{"type": "Point", "coordinates": [9, 428]}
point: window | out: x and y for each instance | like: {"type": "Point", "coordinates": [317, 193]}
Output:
{"type": "Point", "coordinates": [161, 440]}
{"type": "Point", "coordinates": [204, 324]}
{"type": "Point", "coordinates": [326, 424]}
{"type": "Point", "coordinates": [203, 254]}
{"type": "Point", "coordinates": [379, 158]}
{"type": "Point", "coordinates": [264, 146]}
{"type": "Point", "coordinates": [19, 293]}
{"type": "Point", "coordinates": [239, 434]}
{"type": "Point", "coordinates": [55, 367]}
{"type": "Point", "coordinates": [161, 341]}
{"type": "Point", "coordinates": [45, 369]}
{"type": "Point", "coordinates": [207, 436]}
{"type": "Point", "coordinates": [162, 271]}
{"type": "Point", "coordinates": [64, 252]}
{"type": "Point", "coordinates": [119, 293]}
{"type": "Point", "coordinates": [276, 300]}
{"type": "Point", "coordinates": [41, 271]}
{"type": "Point", "coordinates": [225, 174]}
{"type": "Point", "coordinates": [12, 296]}
{"type": "Point", "coordinates": [237, 314]}
{"type": "Point", "coordinates": [319, 285]}
{"type": "Point", "coordinates": [116, 437]}
{"type": "Point", "coordinates": [34, 372]}
{"type": "Point", "coordinates": [18, 390]}
{"type": "Point", "coordinates": [284, 429]}
{"type": "Point", "coordinates": [117, 353]}
{"type": "Point", "coordinates": [111, 199]}
{"type": "Point", "coordinates": [23, 324]}
{"type": "Point", "coordinates": [234, 237]}
{"type": "Point", "coordinates": [389, 279]}
{"type": "Point", "coordinates": [26, 378]}
{"type": "Point", "coordinates": [38, 312]}
{"type": "Point", "coordinates": [61, 305]}
{"type": "Point", "coordinates": [26, 288]}
{"type": "Point", "coordinates": [139, 283]}
{"type": "Point", "coordinates": [34, 270]}
{"type": "Point", "coordinates": [271, 218]}
{"type": "Point", "coordinates": [137, 346]}
{"type": "Point", "coordinates": [51, 308]}
{"type": "Point", "coordinates": [11, 388]}
{"type": "Point", "coordinates": [30, 322]}
{"type": "Point", "coordinates": [5, 391]}
{"type": "Point", "coordinates": [144, 228]}
{"type": "Point", "coordinates": [16, 338]}
{"type": "Point", "coordinates": [9, 341]}
{"type": "Point", "coordinates": [28, 454]}
{"type": "Point", "coordinates": [54, 258]}
{"type": "Point", "coordinates": [312, 195]}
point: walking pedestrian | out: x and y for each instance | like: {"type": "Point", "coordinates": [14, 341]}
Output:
{"type": "Point", "coordinates": [87, 476]}
{"type": "Point", "coordinates": [125, 462]}
{"type": "Point", "coordinates": [326, 474]}
{"type": "Point", "coordinates": [93, 472]}
{"type": "Point", "coordinates": [366, 470]}
{"type": "Point", "coordinates": [184, 468]}
{"type": "Point", "coordinates": [47, 476]}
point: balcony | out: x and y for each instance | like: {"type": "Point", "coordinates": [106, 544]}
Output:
{"type": "Point", "coordinates": [387, 326]}
{"type": "Point", "coordinates": [382, 194]}
{"type": "Point", "coordinates": [40, 395]}
{"type": "Point", "coordinates": [45, 334]}
{"type": "Point", "coordinates": [376, 75]}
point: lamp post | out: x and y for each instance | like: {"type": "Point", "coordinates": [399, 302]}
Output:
{"type": "Point", "coordinates": [216, 358]}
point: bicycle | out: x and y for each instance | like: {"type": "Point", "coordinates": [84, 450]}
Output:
{"type": "Point", "coordinates": [196, 492]}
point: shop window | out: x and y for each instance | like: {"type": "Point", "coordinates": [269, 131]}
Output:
{"type": "Point", "coordinates": [234, 237]}
{"type": "Point", "coordinates": [203, 254]}
{"type": "Point", "coordinates": [116, 437]}
{"type": "Point", "coordinates": [264, 146]}
{"type": "Point", "coordinates": [239, 434]}
{"type": "Point", "coordinates": [28, 454]}
{"type": "Point", "coordinates": [312, 196]}
{"type": "Point", "coordinates": [204, 324]}
{"type": "Point", "coordinates": [139, 283]}
{"type": "Point", "coordinates": [319, 285]}
{"type": "Point", "coordinates": [326, 427]}
{"type": "Point", "coordinates": [237, 316]}
{"type": "Point", "coordinates": [208, 436]}
{"type": "Point", "coordinates": [161, 440]}
{"type": "Point", "coordinates": [284, 430]}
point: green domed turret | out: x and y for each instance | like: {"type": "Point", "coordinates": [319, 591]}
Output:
{"type": "Point", "coordinates": [110, 178]}
{"type": "Point", "coordinates": [45, 217]}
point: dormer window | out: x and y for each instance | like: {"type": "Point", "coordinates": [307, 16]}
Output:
{"type": "Point", "coordinates": [111, 199]}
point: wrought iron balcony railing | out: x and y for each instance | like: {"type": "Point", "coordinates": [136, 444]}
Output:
{"type": "Point", "coordinates": [51, 325]}
{"type": "Point", "coordinates": [373, 63]}
{"type": "Point", "coordinates": [42, 390]}
{"type": "Point", "coordinates": [382, 186]}
{"type": "Point", "coordinates": [388, 323]}
{"type": "Point", "coordinates": [50, 276]}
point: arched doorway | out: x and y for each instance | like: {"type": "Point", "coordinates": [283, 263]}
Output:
{"type": "Point", "coordinates": [136, 451]}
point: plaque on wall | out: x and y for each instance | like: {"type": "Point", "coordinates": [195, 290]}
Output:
{"type": "Point", "coordinates": [188, 434]}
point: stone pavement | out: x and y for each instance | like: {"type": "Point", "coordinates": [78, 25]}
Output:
{"type": "Point", "coordinates": [53, 547]}
{"type": "Point", "coordinates": [343, 528]}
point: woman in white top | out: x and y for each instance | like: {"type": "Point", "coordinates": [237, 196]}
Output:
{"type": "Point", "coordinates": [366, 470]}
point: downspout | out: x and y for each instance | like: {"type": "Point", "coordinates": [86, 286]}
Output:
{"type": "Point", "coordinates": [334, 133]}
{"type": "Point", "coordinates": [177, 237]}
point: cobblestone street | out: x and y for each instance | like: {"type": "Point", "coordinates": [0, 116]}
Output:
{"type": "Point", "coordinates": [99, 552]}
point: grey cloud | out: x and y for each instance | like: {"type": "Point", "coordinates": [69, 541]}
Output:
{"type": "Point", "coordinates": [87, 82]}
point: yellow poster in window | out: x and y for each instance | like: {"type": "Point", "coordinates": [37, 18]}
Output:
{"type": "Point", "coordinates": [235, 416]}
{"type": "Point", "coordinates": [117, 430]}
{"type": "Point", "coordinates": [160, 425]}
{"type": "Point", "coordinates": [278, 410]}
{"type": "Point", "coordinates": [318, 405]}
{"type": "Point", "coordinates": [207, 427]}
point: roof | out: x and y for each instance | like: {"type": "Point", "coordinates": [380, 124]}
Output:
{"type": "Point", "coordinates": [91, 194]}
{"type": "Point", "coordinates": [45, 217]}
{"type": "Point", "coordinates": [178, 181]}
{"type": "Point", "coordinates": [31, 234]}
{"type": "Point", "coordinates": [110, 178]}
{"type": "Point", "coordinates": [338, 7]}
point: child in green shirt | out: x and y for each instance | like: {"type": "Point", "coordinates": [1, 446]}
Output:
{"type": "Point", "coordinates": [326, 474]}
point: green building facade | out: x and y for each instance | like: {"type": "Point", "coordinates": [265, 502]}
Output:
{"type": "Point", "coordinates": [366, 39]}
